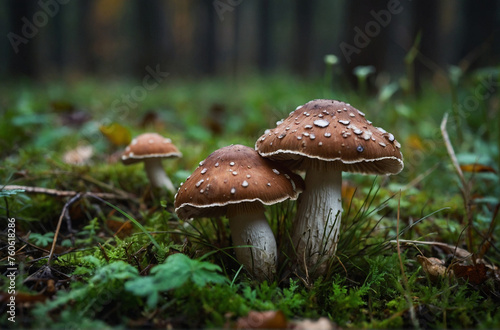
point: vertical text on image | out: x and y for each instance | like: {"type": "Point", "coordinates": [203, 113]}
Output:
{"type": "Point", "coordinates": [12, 269]}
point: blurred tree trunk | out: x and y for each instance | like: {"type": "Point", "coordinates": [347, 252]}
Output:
{"type": "Point", "coordinates": [481, 33]}
{"type": "Point", "coordinates": [86, 59]}
{"type": "Point", "coordinates": [153, 36]}
{"type": "Point", "coordinates": [205, 34]}
{"type": "Point", "coordinates": [302, 43]}
{"type": "Point", "coordinates": [369, 47]}
{"type": "Point", "coordinates": [24, 61]}
{"type": "Point", "coordinates": [264, 35]}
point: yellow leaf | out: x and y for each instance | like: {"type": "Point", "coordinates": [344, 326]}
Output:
{"type": "Point", "coordinates": [477, 168]}
{"type": "Point", "coordinates": [414, 142]}
{"type": "Point", "coordinates": [116, 134]}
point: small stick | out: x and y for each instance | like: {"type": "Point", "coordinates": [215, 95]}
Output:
{"type": "Point", "coordinates": [71, 201]}
{"type": "Point", "coordinates": [62, 193]}
{"type": "Point", "coordinates": [465, 186]}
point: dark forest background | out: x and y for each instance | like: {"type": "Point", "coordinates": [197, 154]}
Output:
{"type": "Point", "coordinates": [231, 37]}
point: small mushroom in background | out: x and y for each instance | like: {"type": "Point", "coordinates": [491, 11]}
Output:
{"type": "Point", "coordinates": [151, 148]}
{"type": "Point", "coordinates": [324, 138]}
{"type": "Point", "coordinates": [235, 181]}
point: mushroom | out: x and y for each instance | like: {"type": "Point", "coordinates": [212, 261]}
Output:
{"type": "Point", "coordinates": [151, 148]}
{"type": "Point", "coordinates": [235, 181]}
{"type": "Point", "coordinates": [324, 138]}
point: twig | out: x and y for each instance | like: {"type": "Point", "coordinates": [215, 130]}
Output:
{"type": "Point", "coordinates": [71, 201]}
{"type": "Point", "coordinates": [465, 187]}
{"type": "Point", "coordinates": [64, 193]}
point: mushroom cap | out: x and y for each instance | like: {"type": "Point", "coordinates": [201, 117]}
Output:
{"type": "Point", "coordinates": [333, 134]}
{"type": "Point", "coordinates": [235, 176]}
{"type": "Point", "coordinates": [147, 146]}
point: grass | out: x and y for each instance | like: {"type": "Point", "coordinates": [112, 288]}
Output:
{"type": "Point", "coordinates": [116, 267]}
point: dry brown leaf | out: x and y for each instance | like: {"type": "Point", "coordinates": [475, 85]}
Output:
{"type": "Point", "coordinates": [121, 229]}
{"type": "Point", "coordinates": [262, 320]}
{"type": "Point", "coordinates": [433, 267]}
{"type": "Point", "coordinates": [475, 274]}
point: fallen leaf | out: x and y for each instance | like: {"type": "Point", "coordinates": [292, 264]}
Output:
{"type": "Point", "coordinates": [62, 106]}
{"type": "Point", "coordinates": [121, 229]}
{"type": "Point", "coordinates": [475, 274]}
{"type": "Point", "coordinates": [116, 134]}
{"type": "Point", "coordinates": [415, 142]}
{"type": "Point", "coordinates": [476, 168]}
{"type": "Point", "coordinates": [262, 320]}
{"type": "Point", "coordinates": [22, 297]}
{"type": "Point", "coordinates": [433, 267]}
{"type": "Point", "coordinates": [347, 191]}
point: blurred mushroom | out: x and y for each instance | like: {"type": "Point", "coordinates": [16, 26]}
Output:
{"type": "Point", "coordinates": [235, 181]}
{"type": "Point", "coordinates": [324, 138]}
{"type": "Point", "coordinates": [151, 148]}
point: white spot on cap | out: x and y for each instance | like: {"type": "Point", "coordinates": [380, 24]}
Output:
{"type": "Point", "coordinates": [362, 114]}
{"type": "Point", "coordinates": [131, 154]}
{"type": "Point", "coordinates": [244, 184]}
{"type": "Point", "coordinates": [352, 115]}
{"type": "Point", "coordinates": [279, 122]}
{"type": "Point", "coordinates": [231, 164]}
{"type": "Point", "coordinates": [201, 163]}
{"type": "Point", "coordinates": [235, 173]}
{"type": "Point", "coordinates": [276, 171]}
{"type": "Point", "coordinates": [248, 176]}
{"type": "Point", "coordinates": [344, 122]}
{"type": "Point", "coordinates": [299, 137]}
{"type": "Point", "coordinates": [282, 135]}
{"type": "Point", "coordinates": [297, 108]}
{"type": "Point", "coordinates": [134, 141]}
{"type": "Point", "coordinates": [199, 183]}
{"type": "Point", "coordinates": [216, 164]}
{"type": "Point", "coordinates": [233, 191]}
{"type": "Point", "coordinates": [321, 123]}
{"type": "Point", "coordinates": [269, 184]}
{"type": "Point", "coordinates": [327, 134]}
{"type": "Point", "coordinates": [357, 131]}
{"type": "Point", "coordinates": [381, 130]}
{"type": "Point", "coordinates": [312, 137]}
{"type": "Point", "coordinates": [382, 144]}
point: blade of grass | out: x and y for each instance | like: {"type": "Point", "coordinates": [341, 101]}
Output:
{"type": "Point", "coordinates": [135, 222]}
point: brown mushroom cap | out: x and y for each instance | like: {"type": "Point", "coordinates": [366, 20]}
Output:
{"type": "Point", "coordinates": [147, 146]}
{"type": "Point", "coordinates": [233, 175]}
{"type": "Point", "coordinates": [335, 133]}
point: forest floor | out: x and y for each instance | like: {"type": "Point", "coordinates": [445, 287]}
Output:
{"type": "Point", "coordinates": [88, 243]}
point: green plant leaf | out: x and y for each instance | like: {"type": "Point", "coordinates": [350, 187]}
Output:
{"type": "Point", "coordinates": [174, 273]}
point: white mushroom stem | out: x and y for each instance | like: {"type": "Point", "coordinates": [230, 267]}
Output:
{"type": "Point", "coordinates": [157, 175]}
{"type": "Point", "coordinates": [316, 226]}
{"type": "Point", "coordinates": [253, 229]}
